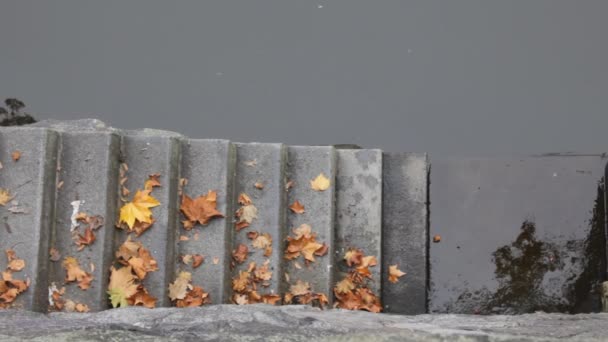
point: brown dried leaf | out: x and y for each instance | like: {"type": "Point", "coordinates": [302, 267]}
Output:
{"type": "Point", "coordinates": [54, 254]}
{"type": "Point", "coordinates": [16, 155]}
{"type": "Point", "coordinates": [177, 289]}
{"type": "Point", "coordinates": [297, 207]}
{"type": "Point", "coordinates": [75, 273]}
{"type": "Point", "coordinates": [240, 282]}
{"type": "Point", "coordinates": [197, 260]}
{"type": "Point", "coordinates": [353, 257]}
{"type": "Point", "coordinates": [244, 199]}
{"type": "Point", "coordinates": [195, 297]}
{"type": "Point", "coordinates": [394, 273]}
{"type": "Point", "coordinates": [246, 214]}
{"type": "Point", "coordinates": [200, 209]}
{"type": "Point", "coordinates": [240, 253]}
{"type": "Point", "coordinates": [142, 298]}
{"type": "Point", "coordinates": [153, 181]}
{"type": "Point", "coordinates": [345, 286]}
{"type": "Point", "coordinates": [16, 265]}
{"type": "Point", "coordinates": [85, 240]}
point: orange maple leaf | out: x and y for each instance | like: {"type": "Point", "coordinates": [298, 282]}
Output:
{"type": "Point", "coordinates": [200, 209]}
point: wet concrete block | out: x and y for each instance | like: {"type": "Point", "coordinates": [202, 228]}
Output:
{"type": "Point", "coordinates": [27, 219]}
{"type": "Point", "coordinates": [209, 165]}
{"type": "Point", "coordinates": [517, 235]}
{"type": "Point", "coordinates": [264, 164]}
{"type": "Point", "coordinates": [359, 209]}
{"type": "Point", "coordinates": [305, 164]}
{"type": "Point", "coordinates": [148, 152]}
{"type": "Point", "coordinates": [405, 231]}
{"type": "Point", "coordinates": [87, 179]}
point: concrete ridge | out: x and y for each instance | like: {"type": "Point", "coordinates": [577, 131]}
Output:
{"type": "Point", "coordinates": [91, 169]}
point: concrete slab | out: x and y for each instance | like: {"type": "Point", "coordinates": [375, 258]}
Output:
{"type": "Point", "coordinates": [359, 209]}
{"type": "Point", "coordinates": [210, 165]}
{"type": "Point", "coordinates": [305, 164]}
{"type": "Point", "coordinates": [517, 235]}
{"type": "Point", "coordinates": [148, 152]}
{"type": "Point", "coordinates": [405, 231]}
{"type": "Point", "coordinates": [294, 323]}
{"type": "Point", "coordinates": [87, 183]}
{"type": "Point", "coordinates": [27, 219]}
{"type": "Point", "coordinates": [264, 164]}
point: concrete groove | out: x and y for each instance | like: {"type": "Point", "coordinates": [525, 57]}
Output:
{"type": "Point", "coordinates": [262, 163]}
{"type": "Point", "coordinates": [88, 174]}
{"type": "Point", "coordinates": [348, 214]}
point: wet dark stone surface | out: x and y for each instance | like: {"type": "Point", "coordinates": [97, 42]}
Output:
{"type": "Point", "coordinates": [517, 235]}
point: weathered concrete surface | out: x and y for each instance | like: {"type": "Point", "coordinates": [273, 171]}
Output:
{"type": "Point", "coordinates": [294, 323]}
{"type": "Point", "coordinates": [149, 152]}
{"type": "Point", "coordinates": [405, 231]}
{"type": "Point", "coordinates": [27, 218]}
{"type": "Point", "coordinates": [210, 165]}
{"type": "Point", "coordinates": [517, 235]}
{"type": "Point", "coordinates": [87, 179]}
{"type": "Point", "coordinates": [263, 163]}
{"type": "Point", "coordinates": [305, 164]}
{"type": "Point", "coordinates": [359, 210]}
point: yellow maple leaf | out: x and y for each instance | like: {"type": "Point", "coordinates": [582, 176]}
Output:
{"type": "Point", "coordinates": [321, 183]}
{"type": "Point", "coordinates": [138, 209]}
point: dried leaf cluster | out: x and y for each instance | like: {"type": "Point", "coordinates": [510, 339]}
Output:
{"type": "Point", "coordinates": [261, 241]}
{"type": "Point", "coordinates": [125, 287]}
{"type": "Point", "coordinates": [246, 213]}
{"type": "Point", "coordinates": [304, 242]}
{"type": "Point", "coordinates": [74, 273]}
{"type": "Point", "coordinates": [184, 294]}
{"type": "Point", "coordinates": [352, 292]}
{"type": "Point", "coordinates": [57, 302]}
{"type": "Point", "coordinates": [11, 288]}
{"type": "Point", "coordinates": [194, 259]}
{"type": "Point", "coordinates": [93, 223]}
{"type": "Point", "coordinates": [300, 293]}
{"type": "Point", "coordinates": [246, 285]}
